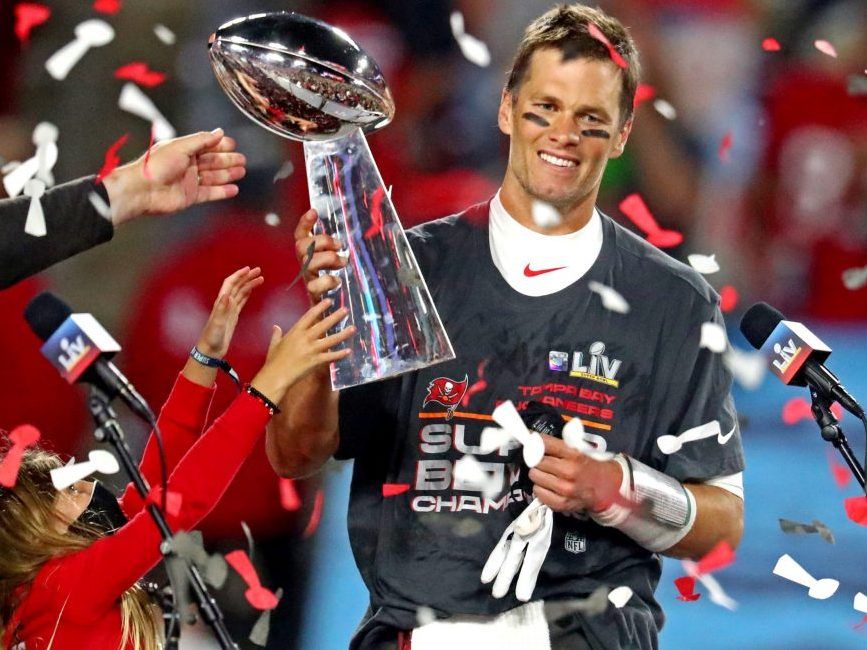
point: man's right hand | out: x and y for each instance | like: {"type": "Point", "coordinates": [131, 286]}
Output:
{"type": "Point", "coordinates": [325, 257]}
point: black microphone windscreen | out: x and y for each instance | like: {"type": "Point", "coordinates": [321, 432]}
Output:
{"type": "Point", "coordinates": [45, 313]}
{"type": "Point", "coordinates": [758, 323]}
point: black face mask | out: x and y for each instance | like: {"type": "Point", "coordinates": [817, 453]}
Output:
{"type": "Point", "coordinates": [103, 511]}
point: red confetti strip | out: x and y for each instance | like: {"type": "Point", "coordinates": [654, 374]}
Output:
{"type": "Point", "coordinates": [596, 33]}
{"type": "Point", "coordinates": [856, 509]}
{"type": "Point", "coordinates": [719, 557]}
{"type": "Point", "coordinates": [22, 437]}
{"type": "Point", "coordinates": [686, 586]}
{"type": "Point", "coordinates": [27, 16]}
{"type": "Point", "coordinates": [111, 158]}
{"type": "Point", "coordinates": [643, 93]}
{"type": "Point", "coordinates": [825, 48]}
{"type": "Point", "coordinates": [633, 206]}
{"type": "Point", "coordinates": [393, 489]}
{"type": "Point", "coordinates": [839, 471]}
{"type": "Point", "coordinates": [289, 498]}
{"type": "Point", "coordinates": [859, 626]}
{"type": "Point", "coordinates": [257, 595]}
{"type": "Point", "coordinates": [110, 7]}
{"type": "Point", "coordinates": [728, 298]}
{"type": "Point", "coordinates": [477, 386]}
{"type": "Point", "coordinates": [725, 146]}
{"type": "Point", "coordinates": [771, 45]}
{"type": "Point", "coordinates": [315, 516]}
{"type": "Point", "coordinates": [798, 408]}
{"type": "Point", "coordinates": [145, 170]}
{"type": "Point", "coordinates": [141, 74]}
{"type": "Point", "coordinates": [376, 215]}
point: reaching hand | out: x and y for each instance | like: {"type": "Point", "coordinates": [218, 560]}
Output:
{"type": "Point", "coordinates": [217, 333]}
{"type": "Point", "coordinates": [303, 348]}
{"type": "Point", "coordinates": [179, 173]}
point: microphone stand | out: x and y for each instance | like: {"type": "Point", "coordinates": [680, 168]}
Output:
{"type": "Point", "coordinates": [831, 431]}
{"type": "Point", "coordinates": [108, 430]}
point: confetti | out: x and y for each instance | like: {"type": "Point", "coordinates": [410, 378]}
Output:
{"type": "Point", "coordinates": [840, 472]}
{"type": "Point", "coordinates": [474, 50]}
{"type": "Point", "coordinates": [825, 48]}
{"type": "Point", "coordinates": [27, 16]}
{"type": "Point", "coordinates": [713, 337]}
{"type": "Point", "coordinates": [190, 546]}
{"type": "Point", "coordinates": [262, 628]}
{"type": "Point", "coordinates": [35, 223]}
{"type": "Point", "coordinates": [545, 215]}
{"type": "Point", "coordinates": [771, 45]}
{"type": "Point", "coordinates": [140, 73]}
{"type": "Point", "coordinates": [620, 596]}
{"type": "Point", "coordinates": [611, 300]}
{"type": "Point", "coordinates": [728, 298]}
{"type": "Point", "coordinates": [576, 437]}
{"type": "Point", "coordinates": [165, 35]}
{"type": "Point", "coordinates": [285, 171]}
{"type": "Point", "coordinates": [860, 603]}
{"type": "Point", "coordinates": [133, 100]}
{"type": "Point", "coordinates": [494, 438]}
{"type": "Point", "coordinates": [22, 437]}
{"type": "Point", "coordinates": [854, 279]}
{"type": "Point", "coordinates": [643, 93]}
{"type": "Point", "coordinates": [725, 147]}
{"type": "Point", "coordinates": [507, 416]}
{"type": "Point", "coordinates": [289, 498]}
{"type": "Point", "coordinates": [704, 264]}
{"type": "Point", "coordinates": [393, 489]}
{"type": "Point", "coordinates": [469, 474]}
{"type": "Point", "coordinates": [686, 588]}
{"type": "Point", "coordinates": [789, 569]}
{"type": "Point", "coordinates": [112, 160]}
{"type": "Point", "coordinates": [90, 33]}
{"type": "Point", "coordinates": [251, 546]}
{"type": "Point", "coordinates": [798, 408]}
{"type": "Point", "coordinates": [633, 206]}
{"type": "Point", "coordinates": [315, 515]}
{"type": "Point", "coordinates": [797, 528]}
{"type": "Point", "coordinates": [716, 593]}
{"type": "Point", "coordinates": [718, 558]}
{"type": "Point", "coordinates": [98, 461]}
{"type": "Point", "coordinates": [100, 205]}
{"type": "Point", "coordinates": [45, 137]}
{"type": "Point", "coordinates": [478, 386]}
{"type": "Point", "coordinates": [424, 615]}
{"type": "Point", "coordinates": [669, 444]}
{"type": "Point", "coordinates": [747, 366]}
{"type": "Point", "coordinates": [596, 33]}
{"type": "Point", "coordinates": [272, 219]}
{"type": "Point", "coordinates": [110, 7]}
{"type": "Point", "coordinates": [257, 595]}
{"type": "Point", "coordinates": [856, 509]}
{"type": "Point", "coordinates": [665, 109]}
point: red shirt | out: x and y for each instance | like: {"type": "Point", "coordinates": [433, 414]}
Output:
{"type": "Point", "coordinates": [75, 599]}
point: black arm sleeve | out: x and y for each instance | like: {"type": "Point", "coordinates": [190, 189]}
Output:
{"type": "Point", "coordinates": [72, 222]}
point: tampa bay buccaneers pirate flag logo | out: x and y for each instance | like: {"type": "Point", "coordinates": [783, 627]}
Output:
{"type": "Point", "coordinates": [447, 392]}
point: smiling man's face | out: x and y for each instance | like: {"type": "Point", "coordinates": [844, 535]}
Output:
{"type": "Point", "coordinates": [564, 125]}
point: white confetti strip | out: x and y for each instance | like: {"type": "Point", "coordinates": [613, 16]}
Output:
{"type": "Point", "coordinates": [35, 223]}
{"type": "Point", "coordinates": [789, 569]}
{"type": "Point", "coordinates": [854, 279]}
{"type": "Point", "coordinates": [90, 33]}
{"type": "Point", "coordinates": [713, 337]}
{"type": "Point", "coordinates": [748, 368]}
{"type": "Point", "coordinates": [704, 264]}
{"type": "Point", "coordinates": [620, 596]}
{"type": "Point", "coordinates": [576, 437]}
{"type": "Point", "coordinates": [133, 100]}
{"type": "Point", "coordinates": [715, 592]}
{"type": "Point", "coordinates": [285, 171]}
{"type": "Point", "coordinates": [165, 35]}
{"type": "Point", "coordinates": [474, 50]}
{"type": "Point", "coordinates": [545, 215]}
{"type": "Point", "coordinates": [272, 219]}
{"type": "Point", "coordinates": [669, 444]}
{"type": "Point", "coordinates": [98, 461]}
{"type": "Point", "coordinates": [825, 47]}
{"type": "Point", "coordinates": [860, 603]}
{"type": "Point", "coordinates": [45, 137]}
{"type": "Point", "coordinates": [611, 299]}
{"type": "Point", "coordinates": [424, 615]}
{"type": "Point", "coordinates": [494, 438]}
{"type": "Point", "coordinates": [14, 180]}
{"type": "Point", "coordinates": [507, 416]}
{"type": "Point", "coordinates": [665, 109]}
{"type": "Point", "coordinates": [470, 474]}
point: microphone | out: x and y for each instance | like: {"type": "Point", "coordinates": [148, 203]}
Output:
{"type": "Point", "coordinates": [795, 354]}
{"type": "Point", "coordinates": [80, 348]}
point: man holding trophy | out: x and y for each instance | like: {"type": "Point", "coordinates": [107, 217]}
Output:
{"type": "Point", "coordinates": [521, 305]}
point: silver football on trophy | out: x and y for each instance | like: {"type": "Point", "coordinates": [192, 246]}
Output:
{"type": "Point", "coordinates": [299, 77]}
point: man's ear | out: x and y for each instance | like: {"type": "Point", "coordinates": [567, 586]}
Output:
{"type": "Point", "coordinates": [621, 138]}
{"type": "Point", "coordinates": [504, 115]}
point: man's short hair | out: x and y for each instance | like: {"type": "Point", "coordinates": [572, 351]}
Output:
{"type": "Point", "coordinates": [565, 28]}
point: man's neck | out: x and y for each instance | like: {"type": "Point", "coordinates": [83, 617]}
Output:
{"type": "Point", "coordinates": [519, 205]}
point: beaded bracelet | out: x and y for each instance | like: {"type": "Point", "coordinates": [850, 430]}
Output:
{"type": "Point", "coordinates": [271, 406]}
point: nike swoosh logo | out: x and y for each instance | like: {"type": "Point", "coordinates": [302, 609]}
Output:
{"type": "Point", "coordinates": [530, 273]}
{"type": "Point", "coordinates": [723, 439]}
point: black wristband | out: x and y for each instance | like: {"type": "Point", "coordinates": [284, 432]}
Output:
{"type": "Point", "coordinates": [211, 362]}
{"type": "Point", "coordinates": [271, 406]}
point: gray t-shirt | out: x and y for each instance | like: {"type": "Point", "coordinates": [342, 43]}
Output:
{"type": "Point", "coordinates": [630, 377]}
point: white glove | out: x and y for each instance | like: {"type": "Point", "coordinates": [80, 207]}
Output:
{"type": "Point", "coordinates": [531, 531]}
